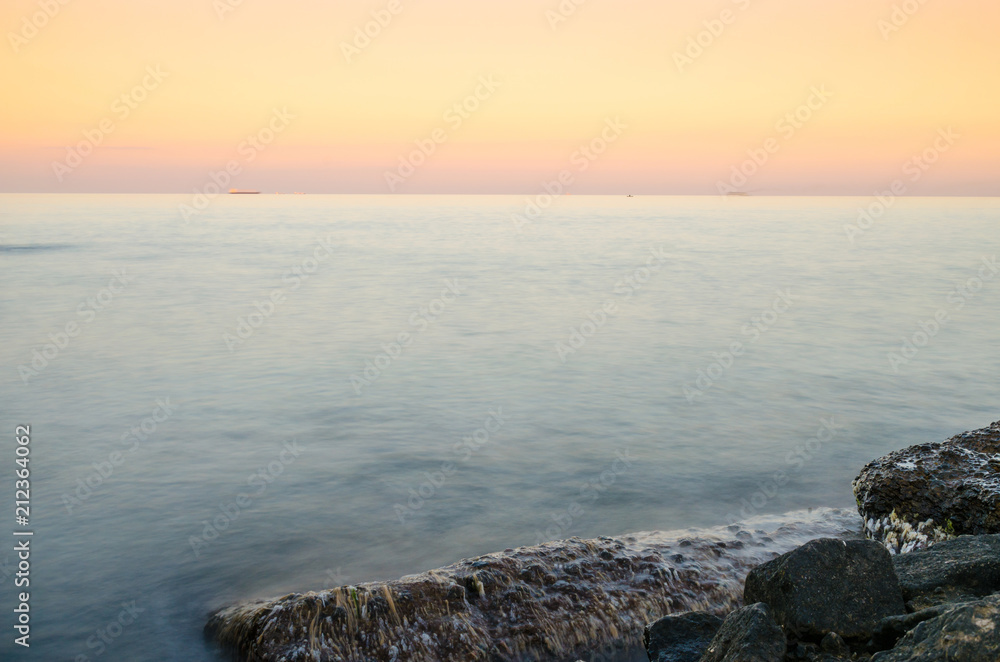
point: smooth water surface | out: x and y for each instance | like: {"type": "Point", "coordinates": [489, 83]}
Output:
{"type": "Point", "coordinates": [454, 382]}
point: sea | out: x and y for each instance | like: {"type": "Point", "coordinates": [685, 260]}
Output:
{"type": "Point", "coordinates": [241, 397]}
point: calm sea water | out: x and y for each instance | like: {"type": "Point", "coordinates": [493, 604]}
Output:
{"type": "Point", "coordinates": [375, 386]}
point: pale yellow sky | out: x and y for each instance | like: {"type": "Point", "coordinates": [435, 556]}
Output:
{"type": "Point", "coordinates": [688, 113]}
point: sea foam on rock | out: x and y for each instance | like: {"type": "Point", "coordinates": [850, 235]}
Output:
{"type": "Point", "coordinates": [822, 599]}
{"type": "Point", "coordinates": [921, 495]}
{"type": "Point", "coordinates": [557, 601]}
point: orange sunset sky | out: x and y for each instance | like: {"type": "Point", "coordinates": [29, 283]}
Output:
{"type": "Point", "coordinates": [562, 69]}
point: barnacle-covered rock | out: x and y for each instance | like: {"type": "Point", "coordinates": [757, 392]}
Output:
{"type": "Point", "coordinates": [915, 497]}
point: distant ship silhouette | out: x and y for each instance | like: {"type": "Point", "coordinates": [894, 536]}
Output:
{"type": "Point", "coordinates": [236, 191]}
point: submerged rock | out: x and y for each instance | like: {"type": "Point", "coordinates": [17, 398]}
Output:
{"type": "Point", "coordinates": [924, 494]}
{"type": "Point", "coordinates": [829, 585]}
{"type": "Point", "coordinates": [748, 634]}
{"type": "Point", "coordinates": [968, 566]}
{"type": "Point", "coordinates": [682, 637]}
{"type": "Point", "coordinates": [556, 601]}
{"type": "Point", "coordinates": [967, 632]}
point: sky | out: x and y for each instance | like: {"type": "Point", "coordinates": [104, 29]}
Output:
{"type": "Point", "coordinates": [771, 97]}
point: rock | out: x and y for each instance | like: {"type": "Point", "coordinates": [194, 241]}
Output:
{"type": "Point", "coordinates": [748, 634]}
{"type": "Point", "coordinates": [835, 645]}
{"type": "Point", "coordinates": [894, 628]}
{"type": "Point", "coordinates": [969, 632]}
{"type": "Point", "coordinates": [812, 653]}
{"type": "Point", "coordinates": [921, 495]}
{"type": "Point", "coordinates": [965, 567]}
{"type": "Point", "coordinates": [807, 651]}
{"type": "Point", "coordinates": [682, 637]}
{"type": "Point", "coordinates": [828, 585]}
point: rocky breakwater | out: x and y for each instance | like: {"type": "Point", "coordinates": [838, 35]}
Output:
{"type": "Point", "coordinates": [558, 601]}
{"type": "Point", "coordinates": [835, 599]}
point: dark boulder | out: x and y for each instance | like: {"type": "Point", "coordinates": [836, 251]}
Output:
{"type": "Point", "coordinates": [968, 632]}
{"type": "Point", "coordinates": [957, 569]}
{"type": "Point", "coordinates": [828, 585]}
{"type": "Point", "coordinates": [915, 497]}
{"type": "Point", "coordinates": [748, 634]}
{"type": "Point", "coordinates": [682, 637]}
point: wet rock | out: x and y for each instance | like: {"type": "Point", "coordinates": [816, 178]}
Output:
{"type": "Point", "coordinates": [965, 567]}
{"type": "Point", "coordinates": [894, 628]}
{"type": "Point", "coordinates": [921, 495]}
{"type": "Point", "coordinates": [749, 634]}
{"type": "Point", "coordinates": [828, 585]}
{"type": "Point", "coordinates": [517, 605]}
{"type": "Point", "coordinates": [968, 632]}
{"type": "Point", "coordinates": [680, 637]}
